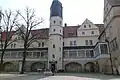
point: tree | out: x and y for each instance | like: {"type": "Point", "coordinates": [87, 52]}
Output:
{"type": "Point", "coordinates": [29, 22]}
{"type": "Point", "coordinates": [8, 19]}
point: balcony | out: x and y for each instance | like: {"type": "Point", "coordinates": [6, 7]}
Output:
{"type": "Point", "coordinates": [101, 51]}
{"type": "Point", "coordinates": [31, 56]}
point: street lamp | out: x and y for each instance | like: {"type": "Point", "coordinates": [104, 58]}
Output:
{"type": "Point", "coordinates": [110, 55]}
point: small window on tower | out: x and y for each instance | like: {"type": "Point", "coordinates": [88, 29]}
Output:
{"type": "Point", "coordinates": [54, 30]}
{"type": "Point", "coordinates": [54, 22]}
{"type": "Point", "coordinates": [60, 31]}
{"type": "Point", "coordinates": [59, 49]}
{"type": "Point", "coordinates": [60, 38]}
{"type": "Point", "coordinates": [53, 56]}
{"type": "Point", "coordinates": [53, 46]}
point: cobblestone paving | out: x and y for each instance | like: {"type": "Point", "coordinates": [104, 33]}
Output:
{"type": "Point", "coordinates": [63, 76]}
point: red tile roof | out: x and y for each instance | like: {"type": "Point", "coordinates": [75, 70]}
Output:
{"type": "Point", "coordinates": [41, 33]}
{"type": "Point", "coordinates": [4, 34]}
{"type": "Point", "coordinates": [68, 32]}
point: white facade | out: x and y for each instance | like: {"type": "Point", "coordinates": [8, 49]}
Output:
{"type": "Point", "coordinates": [71, 48]}
{"type": "Point", "coordinates": [55, 46]}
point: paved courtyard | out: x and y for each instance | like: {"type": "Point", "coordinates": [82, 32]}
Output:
{"type": "Point", "coordinates": [60, 76]}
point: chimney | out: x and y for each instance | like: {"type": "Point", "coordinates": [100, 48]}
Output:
{"type": "Point", "coordinates": [65, 24]}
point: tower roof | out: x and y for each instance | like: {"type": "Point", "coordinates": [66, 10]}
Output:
{"type": "Point", "coordinates": [56, 9]}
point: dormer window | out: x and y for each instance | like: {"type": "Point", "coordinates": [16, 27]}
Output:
{"type": "Point", "coordinates": [84, 26]}
{"type": "Point", "coordinates": [14, 45]}
{"type": "Point", "coordinates": [39, 44]}
{"type": "Point", "coordinates": [89, 26]}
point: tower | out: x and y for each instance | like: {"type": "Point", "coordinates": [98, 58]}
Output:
{"type": "Point", "coordinates": [55, 45]}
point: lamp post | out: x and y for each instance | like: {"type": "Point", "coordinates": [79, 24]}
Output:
{"type": "Point", "coordinates": [110, 55]}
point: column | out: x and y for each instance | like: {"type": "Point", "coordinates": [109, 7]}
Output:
{"type": "Point", "coordinates": [83, 68]}
{"type": "Point", "coordinates": [20, 66]}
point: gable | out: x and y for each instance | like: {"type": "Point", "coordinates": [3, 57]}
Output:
{"type": "Point", "coordinates": [87, 24]}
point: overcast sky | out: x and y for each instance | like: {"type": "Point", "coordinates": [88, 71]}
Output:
{"type": "Point", "coordinates": [74, 11]}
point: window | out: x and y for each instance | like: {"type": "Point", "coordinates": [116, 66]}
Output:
{"type": "Point", "coordinates": [74, 42]}
{"type": "Point", "coordinates": [60, 22]}
{"type": "Point", "coordinates": [84, 26]}
{"type": "Point", "coordinates": [39, 44]}
{"type": "Point", "coordinates": [91, 42]}
{"type": "Point", "coordinates": [54, 30]}
{"type": "Point", "coordinates": [60, 38]}
{"type": "Point", "coordinates": [14, 45]}
{"type": "Point", "coordinates": [89, 26]}
{"type": "Point", "coordinates": [34, 54]}
{"type": "Point", "coordinates": [91, 53]}
{"type": "Point", "coordinates": [53, 56]}
{"type": "Point", "coordinates": [42, 54]}
{"type": "Point", "coordinates": [29, 54]}
{"type": "Point", "coordinates": [42, 44]}
{"type": "Point", "coordinates": [65, 54]}
{"type": "Point", "coordinates": [60, 31]}
{"type": "Point", "coordinates": [53, 45]}
{"type": "Point", "coordinates": [13, 54]}
{"type": "Point", "coordinates": [86, 42]}
{"type": "Point", "coordinates": [38, 54]}
{"type": "Point", "coordinates": [81, 53]}
{"type": "Point", "coordinates": [54, 22]}
{"type": "Point", "coordinates": [71, 43]}
{"type": "Point", "coordinates": [11, 45]}
{"type": "Point", "coordinates": [63, 43]}
{"type": "Point", "coordinates": [73, 53]}
{"type": "Point", "coordinates": [103, 48]}
{"type": "Point", "coordinates": [83, 33]}
{"type": "Point", "coordinates": [59, 49]}
{"type": "Point", "coordinates": [114, 44]}
{"type": "Point", "coordinates": [92, 32]}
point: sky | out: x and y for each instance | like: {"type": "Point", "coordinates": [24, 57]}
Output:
{"type": "Point", "coordinates": [74, 11]}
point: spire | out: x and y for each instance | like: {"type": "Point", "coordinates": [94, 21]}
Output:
{"type": "Point", "coordinates": [56, 9]}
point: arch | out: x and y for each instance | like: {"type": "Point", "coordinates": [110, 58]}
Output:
{"type": "Point", "coordinates": [37, 65]}
{"type": "Point", "coordinates": [73, 67]}
{"type": "Point", "coordinates": [89, 67]}
{"type": "Point", "coordinates": [8, 67]}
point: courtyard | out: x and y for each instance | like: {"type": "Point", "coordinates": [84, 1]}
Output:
{"type": "Point", "coordinates": [58, 76]}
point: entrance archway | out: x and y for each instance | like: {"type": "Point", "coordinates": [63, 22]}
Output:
{"type": "Point", "coordinates": [89, 67]}
{"type": "Point", "coordinates": [37, 65]}
{"type": "Point", "coordinates": [8, 67]}
{"type": "Point", "coordinates": [73, 67]}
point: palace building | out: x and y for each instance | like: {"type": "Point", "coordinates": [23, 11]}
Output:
{"type": "Point", "coordinates": [80, 48]}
